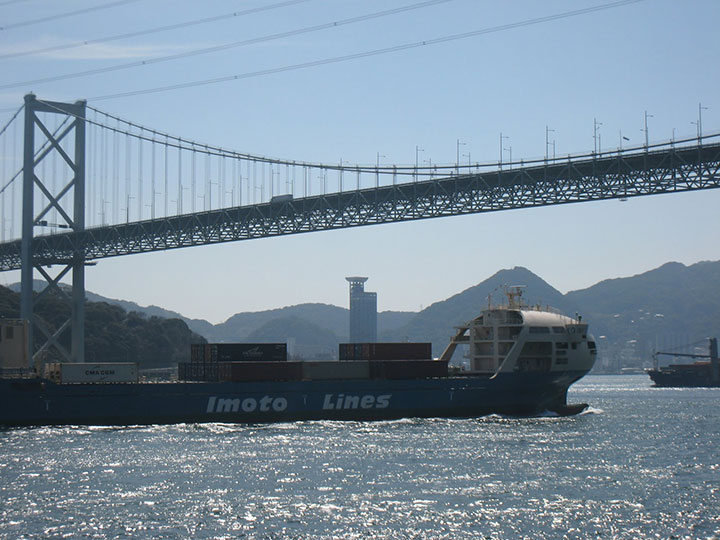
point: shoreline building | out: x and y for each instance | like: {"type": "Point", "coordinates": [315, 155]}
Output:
{"type": "Point", "coordinates": [363, 312]}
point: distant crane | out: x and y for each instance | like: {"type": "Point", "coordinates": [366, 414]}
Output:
{"type": "Point", "coordinates": [697, 374]}
{"type": "Point", "coordinates": [685, 355]}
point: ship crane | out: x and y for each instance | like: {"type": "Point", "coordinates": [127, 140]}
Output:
{"type": "Point", "coordinates": [713, 356]}
{"type": "Point", "coordinates": [684, 355]}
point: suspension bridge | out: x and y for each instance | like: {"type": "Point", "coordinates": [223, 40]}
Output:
{"type": "Point", "coordinates": [79, 185]}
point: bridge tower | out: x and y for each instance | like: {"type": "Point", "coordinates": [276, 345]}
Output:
{"type": "Point", "coordinates": [67, 202]}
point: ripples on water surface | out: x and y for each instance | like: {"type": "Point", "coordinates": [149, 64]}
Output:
{"type": "Point", "coordinates": [643, 463]}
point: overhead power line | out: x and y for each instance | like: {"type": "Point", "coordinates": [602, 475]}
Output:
{"type": "Point", "coordinates": [65, 15]}
{"type": "Point", "coordinates": [207, 50]}
{"type": "Point", "coordinates": [149, 31]}
{"type": "Point", "coordinates": [376, 52]}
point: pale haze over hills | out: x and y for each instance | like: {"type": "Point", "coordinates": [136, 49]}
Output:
{"type": "Point", "coordinates": [662, 309]}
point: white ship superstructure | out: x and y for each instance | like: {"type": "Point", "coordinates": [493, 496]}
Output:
{"type": "Point", "coordinates": [518, 338]}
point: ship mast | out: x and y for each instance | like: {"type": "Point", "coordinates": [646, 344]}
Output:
{"type": "Point", "coordinates": [514, 295]}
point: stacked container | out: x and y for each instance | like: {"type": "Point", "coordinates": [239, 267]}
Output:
{"type": "Point", "coordinates": [198, 371]}
{"type": "Point", "coordinates": [207, 360]}
{"type": "Point", "coordinates": [408, 369]}
{"type": "Point", "coordinates": [259, 371]}
{"type": "Point", "coordinates": [335, 370]}
{"type": "Point", "coordinates": [238, 352]}
{"type": "Point", "coordinates": [372, 352]}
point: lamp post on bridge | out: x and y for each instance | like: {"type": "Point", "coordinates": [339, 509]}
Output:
{"type": "Point", "coordinates": [457, 157]}
{"type": "Point", "coordinates": [596, 128]}
{"type": "Point", "coordinates": [647, 138]}
{"type": "Point", "coordinates": [340, 176]}
{"type": "Point", "coordinates": [417, 153]}
{"type": "Point", "coordinates": [509, 150]}
{"type": "Point", "coordinates": [323, 177]}
{"type": "Point", "coordinates": [502, 137]}
{"type": "Point", "coordinates": [469, 163]}
{"type": "Point", "coordinates": [429, 162]}
{"type": "Point", "coordinates": [377, 169]}
{"type": "Point", "coordinates": [699, 122]}
{"type": "Point", "coordinates": [547, 142]}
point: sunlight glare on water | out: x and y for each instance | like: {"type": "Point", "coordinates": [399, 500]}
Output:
{"type": "Point", "coordinates": [640, 463]}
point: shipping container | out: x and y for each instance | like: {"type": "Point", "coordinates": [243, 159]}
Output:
{"type": "Point", "coordinates": [408, 369]}
{"type": "Point", "coordinates": [260, 371]}
{"type": "Point", "coordinates": [198, 371]}
{"type": "Point", "coordinates": [198, 352]}
{"type": "Point", "coordinates": [86, 372]}
{"type": "Point", "coordinates": [335, 370]}
{"type": "Point", "coordinates": [238, 352]}
{"type": "Point", "coordinates": [384, 351]}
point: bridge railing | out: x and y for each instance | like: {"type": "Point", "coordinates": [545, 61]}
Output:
{"type": "Point", "coordinates": [136, 174]}
{"type": "Point", "coordinates": [628, 174]}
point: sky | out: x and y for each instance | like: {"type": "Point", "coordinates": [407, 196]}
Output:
{"type": "Point", "coordinates": [524, 67]}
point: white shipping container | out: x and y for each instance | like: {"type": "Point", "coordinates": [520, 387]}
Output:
{"type": "Point", "coordinates": [120, 372]}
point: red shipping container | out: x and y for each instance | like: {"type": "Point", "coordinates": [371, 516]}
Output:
{"type": "Point", "coordinates": [260, 371]}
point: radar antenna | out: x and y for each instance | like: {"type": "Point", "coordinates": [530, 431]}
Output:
{"type": "Point", "coordinates": [514, 295]}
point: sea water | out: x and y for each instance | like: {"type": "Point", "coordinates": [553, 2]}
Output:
{"type": "Point", "coordinates": [643, 462]}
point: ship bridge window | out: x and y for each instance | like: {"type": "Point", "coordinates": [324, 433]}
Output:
{"type": "Point", "coordinates": [536, 348]}
{"type": "Point", "coordinates": [591, 344]}
{"type": "Point", "coordinates": [558, 329]}
{"type": "Point", "coordinates": [533, 364]}
{"type": "Point", "coordinates": [561, 345]}
{"type": "Point", "coordinates": [539, 330]}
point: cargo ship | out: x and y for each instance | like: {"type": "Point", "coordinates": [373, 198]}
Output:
{"type": "Point", "coordinates": [522, 360]}
{"type": "Point", "coordinates": [699, 373]}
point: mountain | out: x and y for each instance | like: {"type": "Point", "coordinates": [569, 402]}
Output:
{"type": "Point", "coordinates": [241, 325]}
{"type": "Point", "coordinates": [662, 309]}
{"type": "Point", "coordinates": [436, 322]}
{"type": "Point", "coordinates": [630, 317]}
{"type": "Point", "coordinates": [333, 318]}
{"type": "Point", "coordinates": [199, 326]}
{"type": "Point", "coordinates": [305, 339]}
{"type": "Point", "coordinates": [111, 333]}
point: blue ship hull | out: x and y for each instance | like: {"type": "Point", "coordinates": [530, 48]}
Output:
{"type": "Point", "coordinates": [32, 402]}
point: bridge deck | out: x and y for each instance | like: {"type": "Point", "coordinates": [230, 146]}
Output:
{"type": "Point", "coordinates": [626, 174]}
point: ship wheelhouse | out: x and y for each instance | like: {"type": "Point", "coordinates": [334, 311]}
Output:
{"type": "Point", "coordinates": [516, 338]}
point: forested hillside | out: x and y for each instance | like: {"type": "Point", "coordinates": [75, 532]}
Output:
{"type": "Point", "coordinates": [111, 333]}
